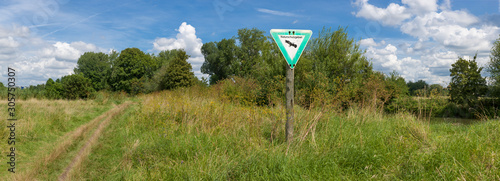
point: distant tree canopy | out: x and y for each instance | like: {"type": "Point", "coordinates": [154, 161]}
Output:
{"type": "Point", "coordinates": [467, 84]}
{"type": "Point", "coordinates": [436, 89]}
{"type": "Point", "coordinates": [128, 69]}
{"type": "Point", "coordinates": [417, 88]}
{"type": "Point", "coordinates": [494, 68]}
{"type": "Point", "coordinates": [96, 67]}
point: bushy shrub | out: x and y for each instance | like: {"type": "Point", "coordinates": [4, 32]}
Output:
{"type": "Point", "coordinates": [245, 91]}
{"type": "Point", "coordinates": [76, 86]}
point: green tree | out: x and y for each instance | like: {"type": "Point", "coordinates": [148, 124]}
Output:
{"type": "Point", "coordinates": [76, 86]}
{"type": "Point", "coordinates": [178, 72]}
{"type": "Point", "coordinates": [337, 55]}
{"type": "Point", "coordinates": [53, 89]}
{"type": "Point", "coordinates": [417, 88]}
{"type": "Point", "coordinates": [166, 56]}
{"type": "Point", "coordinates": [221, 59]}
{"type": "Point", "coordinates": [252, 42]}
{"type": "Point", "coordinates": [130, 66]}
{"type": "Point", "coordinates": [494, 68]}
{"type": "Point", "coordinates": [256, 56]}
{"type": "Point", "coordinates": [96, 67]}
{"type": "Point", "coordinates": [163, 59]}
{"type": "Point", "coordinates": [396, 85]}
{"type": "Point", "coordinates": [467, 84]}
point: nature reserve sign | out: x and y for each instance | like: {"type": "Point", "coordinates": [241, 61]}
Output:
{"type": "Point", "coordinates": [291, 43]}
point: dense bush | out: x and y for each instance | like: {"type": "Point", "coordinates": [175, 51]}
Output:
{"type": "Point", "coordinates": [76, 86]}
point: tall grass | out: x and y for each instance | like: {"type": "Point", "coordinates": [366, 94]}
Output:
{"type": "Point", "coordinates": [192, 134]}
{"type": "Point", "coordinates": [41, 126]}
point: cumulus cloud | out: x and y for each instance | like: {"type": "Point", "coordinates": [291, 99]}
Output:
{"type": "Point", "coordinates": [442, 36]}
{"type": "Point", "coordinates": [430, 68]}
{"type": "Point", "coordinates": [186, 39]}
{"type": "Point", "coordinates": [420, 7]}
{"type": "Point", "coordinates": [68, 51]}
{"type": "Point", "coordinates": [452, 29]}
{"type": "Point", "coordinates": [394, 14]}
{"type": "Point", "coordinates": [35, 59]}
{"type": "Point", "coordinates": [368, 42]}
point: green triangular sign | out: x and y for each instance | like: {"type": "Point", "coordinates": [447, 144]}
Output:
{"type": "Point", "coordinates": [291, 43]}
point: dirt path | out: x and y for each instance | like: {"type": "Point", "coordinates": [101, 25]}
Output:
{"type": "Point", "coordinates": [85, 150]}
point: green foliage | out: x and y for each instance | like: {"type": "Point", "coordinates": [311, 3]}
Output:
{"type": "Point", "coordinates": [397, 85]}
{"type": "Point", "coordinates": [466, 84]}
{"type": "Point", "coordinates": [494, 68]}
{"type": "Point", "coordinates": [129, 67]}
{"type": "Point", "coordinates": [3, 89]}
{"type": "Point", "coordinates": [220, 59]}
{"type": "Point", "coordinates": [334, 54]}
{"type": "Point", "coordinates": [76, 86]}
{"type": "Point", "coordinates": [178, 72]}
{"type": "Point", "coordinates": [96, 67]}
{"type": "Point", "coordinates": [417, 88]}
{"type": "Point", "coordinates": [436, 89]}
{"type": "Point", "coordinates": [166, 56]}
{"type": "Point", "coordinates": [252, 43]}
{"type": "Point", "coordinates": [315, 90]}
{"type": "Point", "coordinates": [53, 90]}
{"type": "Point", "coordinates": [256, 56]}
{"type": "Point", "coordinates": [332, 70]}
{"type": "Point", "coordinates": [163, 60]}
{"type": "Point", "coordinates": [244, 91]}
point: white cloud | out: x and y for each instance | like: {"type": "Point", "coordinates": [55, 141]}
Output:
{"type": "Point", "coordinates": [274, 12]}
{"type": "Point", "coordinates": [445, 5]}
{"type": "Point", "coordinates": [393, 15]}
{"type": "Point", "coordinates": [186, 39]}
{"type": "Point", "coordinates": [442, 36]}
{"type": "Point", "coordinates": [421, 7]}
{"type": "Point", "coordinates": [431, 65]}
{"type": "Point", "coordinates": [65, 51]}
{"type": "Point", "coordinates": [35, 59]}
{"type": "Point", "coordinates": [368, 42]}
{"type": "Point", "coordinates": [420, 18]}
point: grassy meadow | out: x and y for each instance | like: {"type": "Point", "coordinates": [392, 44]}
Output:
{"type": "Point", "coordinates": [49, 134]}
{"type": "Point", "coordinates": [194, 134]}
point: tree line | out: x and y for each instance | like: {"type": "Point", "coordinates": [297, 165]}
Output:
{"type": "Point", "coordinates": [249, 67]}
{"type": "Point", "coordinates": [131, 71]}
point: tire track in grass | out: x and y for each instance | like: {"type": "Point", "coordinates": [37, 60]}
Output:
{"type": "Point", "coordinates": [85, 150]}
{"type": "Point", "coordinates": [61, 149]}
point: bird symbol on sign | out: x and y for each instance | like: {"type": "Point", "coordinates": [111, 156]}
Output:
{"type": "Point", "coordinates": [291, 44]}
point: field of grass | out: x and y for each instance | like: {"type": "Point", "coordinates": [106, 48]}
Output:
{"type": "Point", "coordinates": [190, 134]}
{"type": "Point", "coordinates": [49, 134]}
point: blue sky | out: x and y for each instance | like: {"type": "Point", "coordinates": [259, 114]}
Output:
{"type": "Point", "coordinates": [420, 39]}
